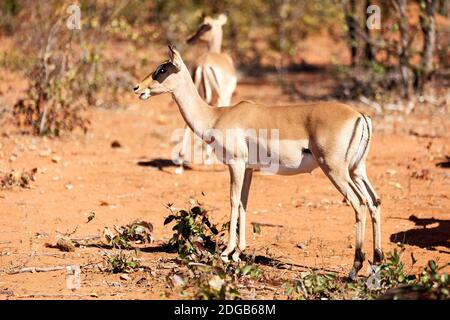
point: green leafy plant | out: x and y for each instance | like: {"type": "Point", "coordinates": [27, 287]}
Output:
{"type": "Point", "coordinates": [206, 283]}
{"type": "Point", "coordinates": [194, 237]}
{"type": "Point", "coordinates": [435, 284]}
{"type": "Point", "coordinates": [313, 285]}
{"type": "Point", "coordinates": [392, 271]}
{"type": "Point", "coordinates": [248, 270]}
{"type": "Point", "coordinates": [121, 262]}
{"type": "Point", "coordinates": [137, 231]}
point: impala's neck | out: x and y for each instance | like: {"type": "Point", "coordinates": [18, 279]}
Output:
{"type": "Point", "coordinates": [215, 44]}
{"type": "Point", "coordinates": [197, 114]}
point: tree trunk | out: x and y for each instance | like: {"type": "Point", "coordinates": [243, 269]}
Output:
{"type": "Point", "coordinates": [350, 19]}
{"type": "Point", "coordinates": [368, 49]}
{"type": "Point", "coordinates": [428, 25]}
{"type": "Point", "coordinates": [403, 48]}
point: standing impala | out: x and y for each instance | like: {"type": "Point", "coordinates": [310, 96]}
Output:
{"type": "Point", "coordinates": [328, 135]}
{"type": "Point", "coordinates": [213, 73]}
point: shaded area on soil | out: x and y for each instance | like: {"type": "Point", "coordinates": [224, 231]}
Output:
{"type": "Point", "coordinates": [425, 237]}
{"type": "Point", "coordinates": [444, 164]}
{"type": "Point", "coordinates": [161, 164]}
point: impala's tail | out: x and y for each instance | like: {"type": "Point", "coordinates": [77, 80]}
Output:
{"type": "Point", "coordinates": [365, 124]}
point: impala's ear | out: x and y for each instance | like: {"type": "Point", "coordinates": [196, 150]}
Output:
{"type": "Point", "coordinates": [175, 57]}
{"type": "Point", "coordinates": [223, 18]}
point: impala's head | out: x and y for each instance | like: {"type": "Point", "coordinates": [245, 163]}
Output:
{"type": "Point", "coordinates": [208, 28]}
{"type": "Point", "coordinates": [165, 78]}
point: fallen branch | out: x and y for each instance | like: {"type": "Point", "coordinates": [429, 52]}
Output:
{"type": "Point", "coordinates": [198, 264]}
{"type": "Point", "coordinates": [38, 269]}
{"type": "Point", "coordinates": [423, 135]}
{"type": "Point", "coordinates": [49, 269]}
{"type": "Point", "coordinates": [263, 224]}
{"type": "Point", "coordinates": [68, 295]}
{"type": "Point", "coordinates": [86, 238]}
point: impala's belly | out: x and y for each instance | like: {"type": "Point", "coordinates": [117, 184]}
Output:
{"type": "Point", "coordinates": [289, 157]}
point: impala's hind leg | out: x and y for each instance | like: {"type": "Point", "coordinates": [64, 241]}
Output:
{"type": "Point", "coordinates": [373, 202]}
{"type": "Point", "coordinates": [182, 154]}
{"type": "Point", "coordinates": [340, 177]}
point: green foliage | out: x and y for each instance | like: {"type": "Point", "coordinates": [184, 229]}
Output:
{"type": "Point", "coordinates": [248, 270]}
{"type": "Point", "coordinates": [197, 242]}
{"type": "Point", "coordinates": [194, 235]}
{"type": "Point", "coordinates": [121, 262]}
{"type": "Point", "coordinates": [9, 9]}
{"type": "Point", "coordinates": [394, 282]}
{"type": "Point", "coordinates": [279, 25]}
{"type": "Point", "coordinates": [435, 284]}
{"type": "Point", "coordinates": [313, 285]}
{"type": "Point", "coordinates": [66, 68]}
{"type": "Point", "coordinates": [137, 231]}
{"type": "Point", "coordinates": [16, 61]}
{"type": "Point", "coordinates": [392, 270]}
{"type": "Point", "coordinates": [206, 283]}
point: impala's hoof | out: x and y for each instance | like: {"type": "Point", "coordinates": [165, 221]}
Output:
{"type": "Point", "coordinates": [353, 274]}
{"type": "Point", "coordinates": [236, 256]}
{"type": "Point", "coordinates": [224, 258]}
{"type": "Point", "coordinates": [179, 170]}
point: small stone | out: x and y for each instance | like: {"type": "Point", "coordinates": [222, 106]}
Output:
{"type": "Point", "coordinates": [13, 157]}
{"type": "Point", "coordinates": [161, 119]}
{"type": "Point", "coordinates": [125, 277]}
{"type": "Point", "coordinates": [68, 186]}
{"type": "Point", "coordinates": [310, 205]}
{"type": "Point", "coordinates": [301, 246]}
{"type": "Point", "coordinates": [65, 244]}
{"type": "Point", "coordinates": [391, 172]}
{"type": "Point", "coordinates": [116, 144]}
{"type": "Point", "coordinates": [56, 159]}
{"type": "Point", "coordinates": [45, 153]}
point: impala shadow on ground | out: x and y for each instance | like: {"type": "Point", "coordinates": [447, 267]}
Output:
{"type": "Point", "coordinates": [425, 235]}
{"type": "Point", "coordinates": [160, 164]}
{"type": "Point", "coordinates": [279, 264]}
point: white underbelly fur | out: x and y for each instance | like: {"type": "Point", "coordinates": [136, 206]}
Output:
{"type": "Point", "coordinates": [289, 160]}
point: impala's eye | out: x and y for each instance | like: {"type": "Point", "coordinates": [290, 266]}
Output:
{"type": "Point", "coordinates": [162, 70]}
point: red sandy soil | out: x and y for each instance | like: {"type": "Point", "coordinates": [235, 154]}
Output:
{"type": "Point", "coordinates": [88, 175]}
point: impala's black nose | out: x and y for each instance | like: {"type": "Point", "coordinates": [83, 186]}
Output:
{"type": "Point", "coordinates": [136, 88]}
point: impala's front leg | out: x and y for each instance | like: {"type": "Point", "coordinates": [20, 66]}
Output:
{"type": "Point", "coordinates": [242, 213]}
{"type": "Point", "coordinates": [237, 172]}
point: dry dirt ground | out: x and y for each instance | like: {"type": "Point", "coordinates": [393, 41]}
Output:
{"type": "Point", "coordinates": [79, 174]}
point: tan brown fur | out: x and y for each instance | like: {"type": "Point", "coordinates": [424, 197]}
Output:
{"type": "Point", "coordinates": [329, 135]}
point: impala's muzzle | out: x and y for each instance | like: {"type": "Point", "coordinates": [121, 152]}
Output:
{"type": "Point", "coordinates": [143, 94]}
